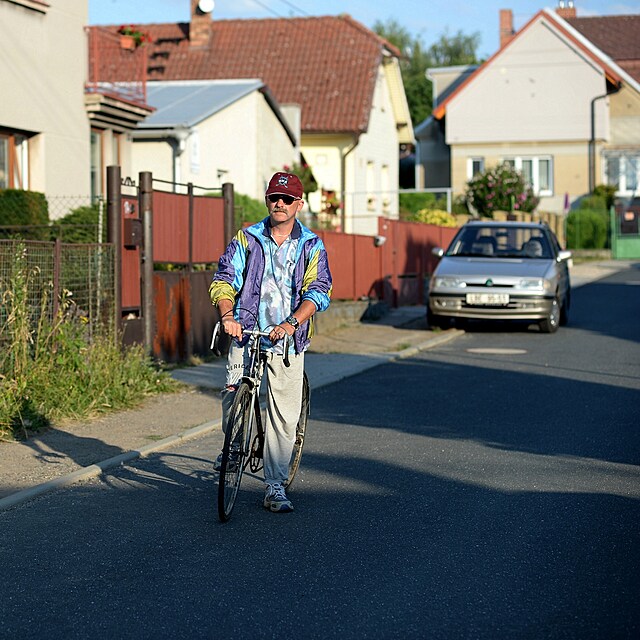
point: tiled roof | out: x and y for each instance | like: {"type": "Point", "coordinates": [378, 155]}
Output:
{"type": "Point", "coordinates": [328, 64]}
{"type": "Point", "coordinates": [617, 36]}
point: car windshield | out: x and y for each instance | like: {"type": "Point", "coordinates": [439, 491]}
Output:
{"type": "Point", "coordinates": [501, 242]}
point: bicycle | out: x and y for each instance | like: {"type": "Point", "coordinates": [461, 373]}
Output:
{"type": "Point", "coordinates": [242, 447]}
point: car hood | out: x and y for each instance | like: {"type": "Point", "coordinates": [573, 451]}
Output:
{"type": "Point", "coordinates": [508, 267]}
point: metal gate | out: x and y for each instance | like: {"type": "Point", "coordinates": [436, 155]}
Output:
{"type": "Point", "coordinates": [163, 243]}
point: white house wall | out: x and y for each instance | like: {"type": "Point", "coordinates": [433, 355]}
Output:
{"type": "Point", "coordinates": [43, 61]}
{"type": "Point", "coordinates": [243, 144]}
{"type": "Point", "coordinates": [372, 168]}
{"type": "Point", "coordinates": [537, 88]}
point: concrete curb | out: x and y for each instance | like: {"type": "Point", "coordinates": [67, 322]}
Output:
{"type": "Point", "coordinates": [98, 468]}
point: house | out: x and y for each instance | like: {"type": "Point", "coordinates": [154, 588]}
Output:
{"type": "Point", "coordinates": [343, 78]}
{"type": "Point", "coordinates": [44, 130]}
{"type": "Point", "coordinates": [58, 128]}
{"type": "Point", "coordinates": [560, 101]}
{"type": "Point", "coordinates": [208, 132]}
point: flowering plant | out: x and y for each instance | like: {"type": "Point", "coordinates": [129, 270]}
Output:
{"type": "Point", "coordinates": [139, 37]}
{"type": "Point", "coordinates": [500, 188]}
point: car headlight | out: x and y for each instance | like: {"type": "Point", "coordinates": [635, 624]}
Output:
{"type": "Point", "coordinates": [449, 283]}
{"type": "Point", "coordinates": [532, 284]}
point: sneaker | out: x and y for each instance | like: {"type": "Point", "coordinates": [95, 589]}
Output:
{"type": "Point", "coordinates": [275, 499]}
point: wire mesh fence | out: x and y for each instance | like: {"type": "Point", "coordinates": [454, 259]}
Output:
{"type": "Point", "coordinates": [48, 276]}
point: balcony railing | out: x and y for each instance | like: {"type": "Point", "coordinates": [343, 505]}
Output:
{"type": "Point", "coordinates": [116, 69]}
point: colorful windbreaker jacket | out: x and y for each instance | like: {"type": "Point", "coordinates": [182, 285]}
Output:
{"type": "Point", "coordinates": [241, 268]}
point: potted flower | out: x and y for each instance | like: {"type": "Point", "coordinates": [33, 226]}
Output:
{"type": "Point", "coordinates": [132, 37]}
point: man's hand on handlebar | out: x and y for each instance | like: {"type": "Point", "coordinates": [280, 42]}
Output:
{"type": "Point", "coordinates": [280, 330]}
{"type": "Point", "coordinates": [232, 327]}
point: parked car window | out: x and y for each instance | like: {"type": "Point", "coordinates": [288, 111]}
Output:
{"type": "Point", "coordinates": [501, 242]}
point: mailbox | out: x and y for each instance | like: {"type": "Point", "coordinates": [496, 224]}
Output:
{"type": "Point", "coordinates": [132, 233]}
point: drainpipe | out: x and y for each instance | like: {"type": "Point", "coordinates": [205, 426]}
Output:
{"type": "Point", "coordinates": [343, 182]}
{"type": "Point", "coordinates": [592, 140]}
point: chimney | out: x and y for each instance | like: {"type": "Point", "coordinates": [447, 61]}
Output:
{"type": "Point", "coordinates": [200, 26]}
{"type": "Point", "coordinates": [506, 27]}
{"type": "Point", "coordinates": [566, 9]}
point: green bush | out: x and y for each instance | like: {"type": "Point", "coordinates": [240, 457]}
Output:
{"type": "Point", "coordinates": [436, 216]}
{"type": "Point", "coordinates": [411, 203]}
{"type": "Point", "coordinates": [608, 192]}
{"type": "Point", "coordinates": [587, 229]}
{"type": "Point", "coordinates": [81, 225]}
{"type": "Point", "coordinates": [500, 188]}
{"type": "Point", "coordinates": [248, 209]}
{"type": "Point", "coordinates": [594, 203]}
{"type": "Point", "coordinates": [19, 207]}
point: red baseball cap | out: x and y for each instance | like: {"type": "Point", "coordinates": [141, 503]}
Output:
{"type": "Point", "coordinates": [286, 184]}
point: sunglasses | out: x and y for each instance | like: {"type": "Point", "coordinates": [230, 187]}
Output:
{"type": "Point", "coordinates": [274, 197]}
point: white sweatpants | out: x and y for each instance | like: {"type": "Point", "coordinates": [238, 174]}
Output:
{"type": "Point", "coordinates": [284, 403]}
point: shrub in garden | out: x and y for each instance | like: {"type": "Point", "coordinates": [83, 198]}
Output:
{"type": "Point", "coordinates": [587, 229]}
{"type": "Point", "coordinates": [81, 225]}
{"type": "Point", "coordinates": [500, 188]}
{"type": "Point", "coordinates": [606, 191]}
{"type": "Point", "coordinates": [18, 207]}
{"type": "Point", "coordinates": [436, 216]}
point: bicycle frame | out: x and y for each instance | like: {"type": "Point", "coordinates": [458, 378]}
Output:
{"type": "Point", "coordinates": [242, 448]}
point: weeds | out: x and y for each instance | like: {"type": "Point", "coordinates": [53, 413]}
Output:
{"type": "Point", "coordinates": [49, 368]}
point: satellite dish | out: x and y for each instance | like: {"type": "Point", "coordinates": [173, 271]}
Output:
{"type": "Point", "coordinates": [206, 6]}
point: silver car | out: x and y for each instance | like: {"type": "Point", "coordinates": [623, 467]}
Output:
{"type": "Point", "coordinates": [501, 271]}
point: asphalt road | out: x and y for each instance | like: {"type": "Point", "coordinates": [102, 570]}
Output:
{"type": "Point", "coordinates": [489, 488]}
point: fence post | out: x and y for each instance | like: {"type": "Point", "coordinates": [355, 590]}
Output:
{"type": "Point", "coordinates": [145, 181]}
{"type": "Point", "coordinates": [114, 236]}
{"type": "Point", "coordinates": [229, 221]}
{"type": "Point", "coordinates": [57, 254]}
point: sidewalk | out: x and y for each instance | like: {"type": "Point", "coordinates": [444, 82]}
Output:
{"type": "Point", "coordinates": [79, 450]}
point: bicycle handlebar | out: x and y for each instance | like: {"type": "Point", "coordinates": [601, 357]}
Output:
{"type": "Point", "coordinates": [252, 332]}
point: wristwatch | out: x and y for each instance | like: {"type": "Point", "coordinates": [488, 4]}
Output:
{"type": "Point", "coordinates": [293, 321]}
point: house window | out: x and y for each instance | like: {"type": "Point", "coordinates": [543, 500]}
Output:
{"type": "Point", "coordinates": [96, 164]}
{"type": "Point", "coordinates": [537, 172]}
{"type": "Point", "coordinates": [474, 167]}
{"type": "Point", "coordinates": [14, 161]}
{"type": "Point", "coordinates": [623, 171]}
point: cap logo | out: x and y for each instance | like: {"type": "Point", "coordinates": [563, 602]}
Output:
{"type": "Point", "coordinates": [284, 181]}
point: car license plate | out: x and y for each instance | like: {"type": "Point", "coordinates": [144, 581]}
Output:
{"type": "Point", "coordinates": [488, 298]}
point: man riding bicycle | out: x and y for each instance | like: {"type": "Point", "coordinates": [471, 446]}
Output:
{"type": "Point", "coordinates": [274, 273]}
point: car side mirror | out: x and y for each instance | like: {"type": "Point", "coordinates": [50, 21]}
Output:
{"type": "Point", "coordinates": [564, 255]}
{"type": "Point", "coordinates": [438, 252]}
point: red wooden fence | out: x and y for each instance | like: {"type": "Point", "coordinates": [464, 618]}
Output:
{"type": "Point", "coordinates": [392, 267]}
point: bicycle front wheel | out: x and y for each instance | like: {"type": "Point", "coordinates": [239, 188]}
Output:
{"type": "Point", "coordinates": [237, 442]}
{"type": "Point", "coordinates": [301, 430]}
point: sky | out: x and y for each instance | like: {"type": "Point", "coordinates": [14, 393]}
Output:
{"type": "Point", "coordinates": [426, 20]}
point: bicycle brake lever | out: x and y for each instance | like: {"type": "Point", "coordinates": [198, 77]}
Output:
{"type": "Point", "coordinates": [285, 346]}
{"type": "Point", "coordinates": [214, 335]}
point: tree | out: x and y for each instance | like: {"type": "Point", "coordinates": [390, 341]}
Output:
{"type": "Point", "coordinates": [446, 51]}
{"type": "Point", "coordinates": [453, 50]}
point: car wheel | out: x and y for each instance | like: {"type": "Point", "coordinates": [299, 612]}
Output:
{"type": "Point", "coordinates": [436, 322]}
{"type": "Point", "coordinates": [551, 323]}
{"type": "Point", "coordinates": [564, 312]}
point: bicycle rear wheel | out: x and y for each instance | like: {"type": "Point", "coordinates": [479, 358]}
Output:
{"type": "Point", "coordinates": [237, 441]}
{"type": "Point", "coordinates": [301, 430]}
